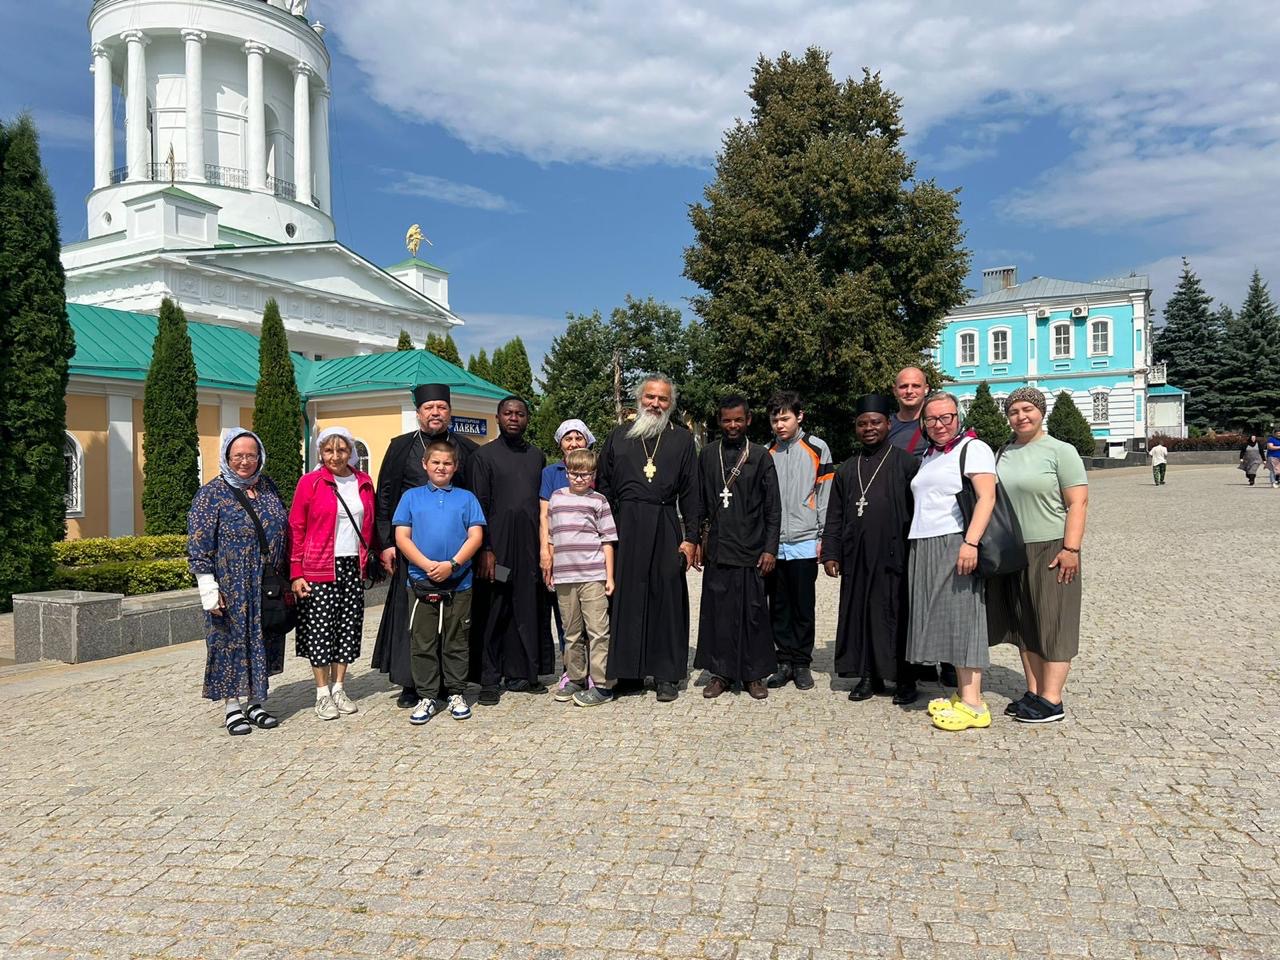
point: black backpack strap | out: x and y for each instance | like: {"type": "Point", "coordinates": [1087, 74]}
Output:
{"type": "Point", "coordinates": [350, 516]}
{"type": "Point", "coordinates": [257, 524]}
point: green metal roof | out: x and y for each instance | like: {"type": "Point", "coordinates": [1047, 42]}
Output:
{"type": "Point", "coordinates": [1165, 390]}
{"type": "Point", "coordinates": [415, 262]}
{"type": "Point", "coordinates": [117, 344]}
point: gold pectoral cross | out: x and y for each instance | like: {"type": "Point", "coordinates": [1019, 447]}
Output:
{"type": "Point", "coordinates": [650, 471]}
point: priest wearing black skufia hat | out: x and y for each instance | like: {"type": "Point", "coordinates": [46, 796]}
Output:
{"type": "Point", "coordinates": [865, 544]}
{"type": "Point", "coordinates": [401, 471]}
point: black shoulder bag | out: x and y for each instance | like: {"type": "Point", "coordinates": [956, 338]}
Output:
{"type": "Point", "coordinates": [1001, 549]}
{"type": "Point", "coordinates": [277, 613]}
{"type": "Point", "coordinates": [372, 574]}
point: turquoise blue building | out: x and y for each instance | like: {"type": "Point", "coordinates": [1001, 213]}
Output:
{"type": "Point", "coordinates": [1091, 339]}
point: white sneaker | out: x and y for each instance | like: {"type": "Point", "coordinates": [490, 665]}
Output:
{"type": "Point", "coordinates": [343, 702]}
{"type": "Point", "coordinates": [458, 708]}
{"type": "Point", "coordinates": [424, 711]}
{"type": "Point", "coordinates": [325, 708]}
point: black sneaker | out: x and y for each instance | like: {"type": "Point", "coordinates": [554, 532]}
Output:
{"type": "Point", "coordinates": [804, 678]}
{"type": "Point", "coordinates": [408, 698]}
{"type": "Point", "coordinates": [1039, 710]}
{"type": "Point", "coordinates": [666, 691]}
{"type": "Point", "coordinates": [1012, 709]}
{"type": "Point", "coordinates": [489, 697]}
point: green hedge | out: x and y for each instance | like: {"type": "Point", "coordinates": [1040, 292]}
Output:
{"type": "Point", "coordinates": [96, 550]}
{"type": "Point", "coordinates": [128, 577]}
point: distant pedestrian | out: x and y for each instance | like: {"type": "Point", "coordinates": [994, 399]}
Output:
{"type": "Point", "coordinates": [1159, 459]}
{"type": "Point", "coordinates": [1273, 456]}
{"type": "Point", "coordinates": [1252, 456]}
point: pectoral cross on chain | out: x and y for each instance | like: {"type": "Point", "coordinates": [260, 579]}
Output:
{"type": "Point", "coordinates": [725, 494]}
{"type": "Point", "coordinates": [861, 504]}
{"type": "Point", "coordinates": [650, 471]}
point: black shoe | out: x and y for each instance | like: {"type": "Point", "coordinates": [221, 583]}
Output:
{"type": "Point", "coordinates": [782, 677]}
{"type": "Point", "coordinates": [1036, 709]}
{"type": "Point", "coordinates": [628, 688]}
{"type": "Point", "coordinates": [905, 693]}
{"type": "Point", "coordinates": [408, 698]}
{"type": "Point", "coordinates": [863, 691]}
{"type": "Point", "coordinates": [489, 697]}
{"type": "Point", "coordinates": [666, 691]}
{"type": "Point", "coordinates": [1012, 709]}
{"type": "Point", "coordinates": [947, 675]}
{"type": "Point", "coordinates": [804, 678]}
{"type": "Point", "coordinates": [925, 672]}
{"type": "Point", "coordinates": [517, 685]}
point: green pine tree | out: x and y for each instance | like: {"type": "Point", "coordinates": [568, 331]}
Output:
{"type": "Point", "coordinates": [1068, 424]}
{"type": "Point", "coordinates": [405, 342]}
{"type": "Point", "coordinates": [38, 344]}
{"type": "Point", "coordinates": [825, 265]}
{"type": "Point", "coordinates": [277, 407]}
{"type": "Point", "coordinates": [578, 381]}
{"type": "Point", "coordinates": [1249, 377]}
{"type": "Point", "coordinates": [511, 369]}
{"type": "Point", "coordinates": [444, 348]}
{"type": "Point", "coordinates": [171, 442]}
{"type": "Point", "coordinates": [1191, 344]}
{"type": "Point", "coordinates": [986, 420]}
{"type": "Point", "coordinates": [479, 365]}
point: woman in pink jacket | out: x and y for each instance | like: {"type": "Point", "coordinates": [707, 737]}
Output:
{"type": "Point", "coordinates": [331, 536]}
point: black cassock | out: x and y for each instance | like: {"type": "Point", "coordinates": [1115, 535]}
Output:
{"type": "Point", "coordinates": [649, 616]}
{"type": "Point", "coordinates": [871, 638]}
{"type": "Point", "coordinates": [510, 622]}
{"type": "Point", "coordinates": [735, 635]}
{"type": "Point", "coordinates": [400, 472]}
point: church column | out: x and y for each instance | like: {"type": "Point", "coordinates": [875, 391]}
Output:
{"type": "Point", "coordinates": [102, 127]}
{"type": "Point", "coordinates": [120, 466]}
{"type": "Point", "coordinates": [257, 132]}
{"type": "Point", "coordinates": [195, 104]}
{"type": "Point", "coordinates": [302, 132]}
{"type": "Point", "coordinates": [135, 120]}
{"type": "Point", "coordinates": [320, 142]}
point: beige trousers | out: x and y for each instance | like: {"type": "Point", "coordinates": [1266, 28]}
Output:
{"type": "Point", "coordinates": [584, 608]}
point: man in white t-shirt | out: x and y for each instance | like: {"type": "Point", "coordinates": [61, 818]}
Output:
{"type": "Point", "coordinates": [1159, 458]}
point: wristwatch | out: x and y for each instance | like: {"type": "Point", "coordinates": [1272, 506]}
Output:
{"type": "Point", "coordinates": [454, 563]}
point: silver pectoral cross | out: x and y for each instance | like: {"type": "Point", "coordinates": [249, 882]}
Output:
{"type": "Point", "coordinates": [861, 504]}
{"type": "Point", "coordinates": [725, 494]}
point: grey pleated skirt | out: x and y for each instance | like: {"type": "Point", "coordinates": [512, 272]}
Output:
{"type": "Point", "coordinates": [948, 612]}
{"type": "Point", "coordinates": [1033, 611]}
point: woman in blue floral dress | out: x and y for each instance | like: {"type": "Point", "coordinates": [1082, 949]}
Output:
{"type": "Point", "coordinates": [224, 555]}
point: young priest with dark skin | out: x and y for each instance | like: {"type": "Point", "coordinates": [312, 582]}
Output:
{"type": "Point", "coordinates": [865, 544]}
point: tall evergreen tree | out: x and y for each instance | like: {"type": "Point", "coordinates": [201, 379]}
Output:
{"type": "Point", "coordinates": [577, 380]}
{"type": "Point", "coordinates": [825, 264]}
{"type": "Point", "coordinates": [1191, 344]}
{"type": "Point", "coordinates": [1250, 373]}
{"type": "Point", "coordinates": [405, 342]}
{"type": "Point", "coordinates": [37, 345]}
{"type": "Point", "coordinates": [277, 407]}
{"type": "Point", "coordinates": [511, 369]}
{"type": "Point", "coordinates": [444, 348]}
{"type": "Point", "coordinates": [479, 365]}
{"type": "Point", "coordinates": [1067, 423]}
{"type": "Point", "coordinates": [986, 420]}
{"type": "Point", "coordinates": [171, 442]}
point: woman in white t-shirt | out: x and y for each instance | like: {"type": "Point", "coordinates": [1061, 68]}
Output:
{"type": "Point", "coordinates": [948, 602]}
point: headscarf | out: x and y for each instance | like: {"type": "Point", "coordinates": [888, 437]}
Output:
{"type": "Point", "coordinates": [230, 436]}
{"type": "Point", "coordinates": [875, 403]}
{"type": "Point", "coordinates": [1026, 395]}
{"type": "Point", "coordinates": [571, 425]}
{"type": "Point", "coordinates": [354, 460]}
{"type": "Point", "coordinates": [427, 392]}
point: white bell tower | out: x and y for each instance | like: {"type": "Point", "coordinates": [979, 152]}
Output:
{"type": "Point", "coordinates": [227, 100]}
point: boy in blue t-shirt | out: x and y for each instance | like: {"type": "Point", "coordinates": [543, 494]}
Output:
{"type": "Point", "coordinates": [439, 528]}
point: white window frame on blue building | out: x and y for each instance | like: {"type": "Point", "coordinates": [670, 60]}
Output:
{"type": "Point", "coordinates": [1106, 325]}
{"type": "Point", "coordinates": [977, 356]}
{"type": "Point", "coordinates": [1054, 327]}
{"type": "Point", "coordinates": [992, 356]}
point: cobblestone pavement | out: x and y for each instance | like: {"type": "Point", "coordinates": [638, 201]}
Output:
{"type": "Point", "coordinates": [804, 826]}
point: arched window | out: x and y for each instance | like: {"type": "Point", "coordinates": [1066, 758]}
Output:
{"type": "Point", "coordinates": [998, 347]}
{"type": "Point", "coordinates": [968, 348]}
{"type": "Point", "coordinates": [965, 404]}
{"type": "Point", "coordinates": [362, 451]}
{"type": "Point", "coordinates": [1100, 337]}
{"type": "Point", "coordinates": [73, 457]}
{"type": "Point", "coordinates": [1101, 407]}
{"type": "Point", "coordinates": [1060, 338]}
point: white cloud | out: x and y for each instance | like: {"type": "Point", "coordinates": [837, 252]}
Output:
{"type": "Point", "coordinates": [446, 191]}
{"type": "Point", "coordinates": [484, 331]}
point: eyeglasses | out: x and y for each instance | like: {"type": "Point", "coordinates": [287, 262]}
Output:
{"type": "Point", "coordinates": [243, 458]}
{"type": "Point", "coordinates": [942, 419]}
{"type": "Point", "coordinates": [582, 476]}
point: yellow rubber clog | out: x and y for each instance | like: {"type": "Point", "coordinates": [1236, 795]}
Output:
{"type": "Point", "coordinates": [938, 704]}
{"type": "Point", "coordinates": [961, 716]}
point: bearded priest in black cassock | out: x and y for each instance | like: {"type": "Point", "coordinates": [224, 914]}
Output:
{"type": "Point", "coordinates": [865, 544]}
{"type": "Point", "coordinates": [644, 470]}
{"type": "Point", "coordinates": [742, 518]}
{"type": "Point", "coordinates": [510, 624]}
{"type": "Point", "coordinates": [402, 470]}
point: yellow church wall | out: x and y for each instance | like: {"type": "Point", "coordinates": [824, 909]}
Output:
{"type": "Point", "coordinates": [208, 420]}
{"type": "Point", "coordinates": [374, 426]}
{"type": "Point", "coordinates": [87, 422]}
{"type": "Point", "coordinates": [139, 462]}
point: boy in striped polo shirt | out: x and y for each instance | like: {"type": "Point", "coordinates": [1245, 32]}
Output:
{"type": "Point", "coordinates": [582, 539]}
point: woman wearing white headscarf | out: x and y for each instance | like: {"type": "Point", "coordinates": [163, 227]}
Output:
{"type": "Point", "coordinates": [330, 540]}
{"type": "Point", "coordinates": [224, 555]}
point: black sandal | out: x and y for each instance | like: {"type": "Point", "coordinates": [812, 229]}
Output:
{"type": "Point", "coordinates": [261, 718]}
{"type": "Point", "coordinates": [238, 723]}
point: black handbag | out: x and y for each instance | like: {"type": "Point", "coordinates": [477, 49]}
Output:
{"type": "Point", "coordinates": [372, 574]}
{"type": "Point", "coordinates": [278, 613]}
{"type": "Point", "coordinates": [1001, 549]}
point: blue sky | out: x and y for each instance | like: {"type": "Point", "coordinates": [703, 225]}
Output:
{"type": "Point", "coordinates": [550, 150]}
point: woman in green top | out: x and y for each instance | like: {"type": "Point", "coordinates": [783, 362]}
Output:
{"type": "Point", "coordinates": [1038, 609]}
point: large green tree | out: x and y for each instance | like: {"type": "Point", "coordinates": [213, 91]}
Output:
{"type": "Point", "coordinates": [277, 406]}
{"type": "Point", "coordinates": [825, 265]}
{"type": "Point", "coordinates": [36, 345]}
{"type": "Point", "coordinates": [577, 380]}
{"type": "Point", "coordinates": [1191, 344]}
{"type": "Point", "coordinates": [444, 348]}
{"type": "Point", "coordinates": [479, 365]}
{"type": "Point", "coordinates": [1249, 377]}
{"type": "Point", "coordinates": [1067, 423]}
{"type": "Point", "coordinates": [171, 442]}
{"type": "Point", "coordinates": [511, 369]}
{"type": "Point", "coordinates": [986, 420]}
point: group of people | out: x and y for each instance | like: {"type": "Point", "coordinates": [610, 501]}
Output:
{"type": "Point", "coordinates": [1262, 450]}
{"type": "Point", "coordinates": [485, 544]}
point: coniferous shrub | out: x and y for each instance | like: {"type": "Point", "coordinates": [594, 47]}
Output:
{"type": "Point", "coordinates": [36, 345]}
{"type": "Point", "coordinates": [405, 342]}
{"type": "Point", "coordinates": [1068, 424]}
{"type": "Point", "coordinates": [277, 407]}
{"type": "Point", "coordinates": [92, 550]}
{"type": "Point", "coordinates": [986, 420]}
{"type": "Point", "coordinates": [170, 443]}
